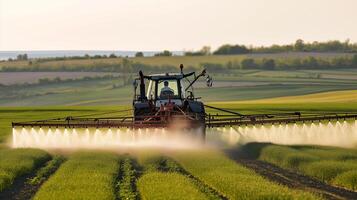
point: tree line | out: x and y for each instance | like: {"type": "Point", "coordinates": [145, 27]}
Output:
{"type": "Point", "coordinates": [130, 66]}
{"type": "Point", "coordinates": [307, 63]}
{"type": "Point", "coordinates": [299, 46]}
{"type": "Point", "coordinates": [334, 46]}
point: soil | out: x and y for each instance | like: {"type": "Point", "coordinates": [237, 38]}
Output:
{"type": "Point", "coordinates": [292, 179]}
{"type": "Point", "coordinates": [20, 189]}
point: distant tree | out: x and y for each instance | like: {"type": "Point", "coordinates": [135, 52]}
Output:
{"type": "Point", "coordinates": [299, 45]}
{"type": "Point", "coordinates": [206, 50]}
{"type": "Point", "coordinates": [22, 57]}
{"type": "Point", "coordinates": [231, 49]}
{"type": "Point", "coordinates": [248, 63]}
{"type": "Point", "coordinates": [112, 55]}
{"type": "Point", "coordinates": [164, 53]}
{"type": "Point", "coordinates": [86, 56]}
{"type": "Point", "coordinates": [268, 64]}
{"type": "Point", "coordinates": [139, 54]}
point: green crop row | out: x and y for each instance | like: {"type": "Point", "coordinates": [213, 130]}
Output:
{"type": "Point", "coordinates": [126, 188]}
{"type": "Point", "coordinates": [86, 175]}
{"type": "Point", "coordinates": [18, 162]}
{"type": "Point", "coordinates": [164, 179]}
{"type": "Point", "coordinates": [233, 180]}
{"type": "Point", "coordinates": [166, 164]}
{"type": "Point", "coordinates": [43, 173]}
{"type": "Point", "coordinates": [161, 185]}
{"type": "Point", "coordinates": [330, 164]}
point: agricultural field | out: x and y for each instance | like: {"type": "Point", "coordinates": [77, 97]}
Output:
{"type": "Point", "coordinates": [336, 166]}
{"type": "Point", "coordinates": [214, 171]}
{"type": "Point", "coordinates": [178, 174]}
{"type": "Point", "coordinates": [241, 85]}
{"type": "Point", "coordinates": [13, 78]}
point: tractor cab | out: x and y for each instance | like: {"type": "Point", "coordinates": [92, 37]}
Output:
{"type": "Point", "coordinates": [164, 88]}
{"type": "Point", "coordinates": [162, 99]}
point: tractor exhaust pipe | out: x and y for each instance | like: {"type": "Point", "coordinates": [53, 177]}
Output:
{"type": "Point", "coordinates": [142, 86]}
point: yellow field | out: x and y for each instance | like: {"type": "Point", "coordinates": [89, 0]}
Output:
{"type": "Point", "coordinates": [346, 96]}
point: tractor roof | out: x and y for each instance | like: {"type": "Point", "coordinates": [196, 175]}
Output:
{"type": "Point", "coordinates": [168, 76]}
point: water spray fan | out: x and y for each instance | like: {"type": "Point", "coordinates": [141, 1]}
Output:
{"type": "Point", "coordinates": [164, 112]}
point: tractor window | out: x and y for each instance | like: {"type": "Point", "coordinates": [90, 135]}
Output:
{"type": "Point", "coordinates": [167, 89]}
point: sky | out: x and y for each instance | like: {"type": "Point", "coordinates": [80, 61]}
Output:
{"type": "Point", "coordinates": [143, 25]}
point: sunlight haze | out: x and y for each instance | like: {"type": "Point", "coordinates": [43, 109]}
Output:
{"type": "Point", "coordinates": [170, 24]}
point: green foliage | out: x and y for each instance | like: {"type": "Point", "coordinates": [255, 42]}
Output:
{"type": "Point", "coordinates": [86, 175]}
{"type": "Point", "coordinates": [301, 46]}
{"type": "Point", "coordinates": [22, 57]}
{"type": "Point", "coordinates": [330, 164]}
{"type": "Point", "coordinates": [164, 179]}
{"type": "Point", "coordinates": [126, 183]}
{"type": "Point", "coordinates": [328, 170]}
{"type": "Point", "coordinates": [160, 185]}
{"type": "Point", "coordinates": [18, 162]}
{"type": "Point", "coordinates": [205, 51]}
{"type": "Point", "coordinates": [347, 180]}
{"type": "Point", "coordinates": [228, 49]}
{"type": "Point", "coordinates": [112, 55]}
{"type": "Point", "coordinates": [139, 54]}
{"type": "Point", "coordinates": [164, 53]}
{"type": "Point", "coordinates": [43, 173]}
{"type": "Point", "coordinates": [231, 179]}
{"type": "Point", "coordinates": [291, 158]}
{"type": "Point", "coordinates": [164, 62]}
{"type": "Point", "coordinates": [354, 61]}
{"type": "Point", "coordinates": [249, 63]}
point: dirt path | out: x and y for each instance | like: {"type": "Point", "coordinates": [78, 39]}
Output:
{"type": "Point", "coordinates": [292, 179]}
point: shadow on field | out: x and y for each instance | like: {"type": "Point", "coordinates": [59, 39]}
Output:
{"type": "Point", "coordinates": [247, 155]}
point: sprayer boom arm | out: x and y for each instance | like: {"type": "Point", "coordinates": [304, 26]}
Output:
{"type": "Point", "coordinates": [282, 118]}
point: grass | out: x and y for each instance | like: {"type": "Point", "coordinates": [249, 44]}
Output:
{"type": "Point", "coordinates": [17, 162]}
{"type": "Point", "coordinates": [330, 164]}
{"type": "Point", "coordinates": [233, 180]}
{"type": "Point", "coordinates": [86, 175]}
{"type": "Point", "coordinates": [164, 179]}
{"type": "Point", "coordinates": [43, 173]}
{"type": "Point", "coordinates": [126, 184]}
{"type": "Point", "coordinates": [160, 185]}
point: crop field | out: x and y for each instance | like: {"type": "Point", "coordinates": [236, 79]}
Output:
{"type": "Point", "coordinates": [333, 165]}
{"type": "Point", "coordinates": [237, 86]}
{"type": "Point", "coordinates": [241, 171]}
{"type": "Point", "coordinates": [176, 174]}
{"type": "Point", "coordinates": [11, 78]}
{"type": "Point", "coordinates": [18, 162]}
